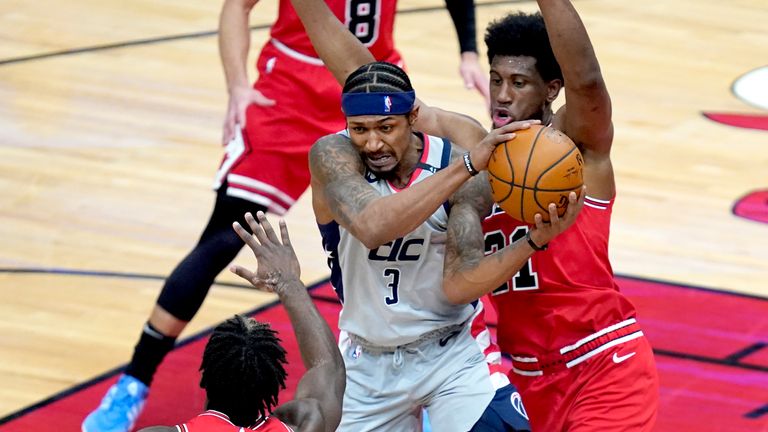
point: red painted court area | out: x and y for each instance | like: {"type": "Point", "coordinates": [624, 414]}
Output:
{"type": "Point", "coordinates": [711, 351]}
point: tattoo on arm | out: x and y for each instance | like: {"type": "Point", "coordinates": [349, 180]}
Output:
{"type": "Point", "coordinates": [465, 244]}
{"type": "Point", "coordinates": [336, 165]}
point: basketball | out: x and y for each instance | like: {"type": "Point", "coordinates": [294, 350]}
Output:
{"type": "Point", "coordinates": [541, 165]}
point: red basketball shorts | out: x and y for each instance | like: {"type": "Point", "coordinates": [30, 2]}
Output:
{"type": "Point", "coordinates": [615, 390]}
{"type": "Point", "coordinates": [267, 164]}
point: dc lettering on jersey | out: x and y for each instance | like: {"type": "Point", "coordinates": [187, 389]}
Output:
{"type": "Point", "coordinates": [398, 250]}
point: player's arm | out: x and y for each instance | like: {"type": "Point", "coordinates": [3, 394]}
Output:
{"type": "Point", "coordinates": [318, 399]}
{"type": "Point", "coordinates": [587, 115]}
{"type": "Point", "coordinates": [341, 193]}
{"type": "Point", "coordinates": [343, 53]}
{"type": "Point", "coordinates": [458, 128]}
{"type": "Point", "coordinates": [339, 49]}
{"type": "Point", "coordinates": [234, 44]}
{"type": "Point", "coordinates": [463, 16]}
{"type": "Point", "coordinates": [467, 273]}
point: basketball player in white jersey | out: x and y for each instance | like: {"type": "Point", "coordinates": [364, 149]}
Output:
{"type": "Point", "coordinates": [381, 198]}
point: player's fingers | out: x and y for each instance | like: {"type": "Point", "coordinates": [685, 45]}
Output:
{"type": "Point", "coordinates": [242, 272]}
{"type": "Point", "coordinates": [229, 127]}
{"type": "Point", "coordinates": [246, 237]}
{"type": "Point", "coordinates": [553, 216]}
{"type": "Point", "coordinates": [538, 220]}
{"type": "Point", "coordinates": [501, 138]}
{"type": "Point", "coordinates": [260, 99]}
{"type": "Point", "coordinates": [576, 202]}
{"type": "Point", "coordinates": [256, 227]}
{"type": "Point", "coordinates": [284, 233]}
{"type": "Point", "coordinates": [268, 230]}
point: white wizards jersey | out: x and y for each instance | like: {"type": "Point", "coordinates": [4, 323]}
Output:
{"type": "Point", "coordinates": [393, 294]}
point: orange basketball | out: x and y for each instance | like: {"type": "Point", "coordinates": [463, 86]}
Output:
{"type": "Point", "coordinates": [541, 165]}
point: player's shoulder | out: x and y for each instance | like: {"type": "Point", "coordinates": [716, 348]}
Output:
{"type": "Point", "coordinates": [332, 150]}
{"type": "Point", "coordinates": [332, 141]}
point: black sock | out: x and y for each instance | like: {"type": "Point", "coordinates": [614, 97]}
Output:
{"type": "Point", "coordinates": [149, 353]}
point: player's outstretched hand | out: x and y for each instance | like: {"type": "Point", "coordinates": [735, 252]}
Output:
{"type": "Point", "coordinates": [277, 262]}
{"type": "Point", "coordinates": [544, 232]}
{"type": "Point", "coordinates": [239, 100]}
{"type": "Point", "coordinates": [481, 153]}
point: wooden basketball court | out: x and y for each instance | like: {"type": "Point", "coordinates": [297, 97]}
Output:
{"type": "Point", "coordinates": [110, 118]}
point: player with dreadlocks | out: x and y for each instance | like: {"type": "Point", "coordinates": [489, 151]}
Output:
{"type": "Point", "coordinates": [242, 367]}
{"type": "Point", "coordinates": [242, 370]}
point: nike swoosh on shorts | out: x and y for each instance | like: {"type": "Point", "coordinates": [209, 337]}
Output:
{"type": "Point", "coordinates": [618, 359]}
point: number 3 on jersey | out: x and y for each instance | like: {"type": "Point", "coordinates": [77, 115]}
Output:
{"type": "Point", "coordinates": [393, 275]}
{"type": "Point", "coordinates": [526, 279]}
{"type": "Point", "coordinates": [363, 20]}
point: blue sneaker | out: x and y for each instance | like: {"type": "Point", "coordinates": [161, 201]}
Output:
{"type": "Point", "coordinates": [119, 408]}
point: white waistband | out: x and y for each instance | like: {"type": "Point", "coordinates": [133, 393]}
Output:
{"type": "Point", "coordinates": [295, 54]}
{"type": "Point", "coordinates": [597, 334]}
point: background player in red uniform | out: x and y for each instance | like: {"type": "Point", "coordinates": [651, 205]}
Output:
{"type": "Point", "coordinates": [579, 356]}
{"type": "Point", "coordinates": [242, 369]}
{"type": "Point", "coordinates": [265, 165]}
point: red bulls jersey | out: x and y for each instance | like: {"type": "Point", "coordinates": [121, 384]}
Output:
{"type": "Point", "coordinates": [214, 421]}
{"type": "Point", "coordinates": [564, 296]}
{"type": "Point", "coordinates": [371, 21]}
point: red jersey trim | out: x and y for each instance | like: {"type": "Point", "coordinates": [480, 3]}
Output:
{"type": "Point", "coordinates": [482, 336]}
{"type": "Point", "coordinates": [597, 203]}
{"type": "Point", "coordinates": [259, 192]}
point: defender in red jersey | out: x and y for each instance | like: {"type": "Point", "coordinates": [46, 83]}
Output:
{"type": "Point", "coordinates": [579, 356]}
{"type": "Point", "coordinates": [242, 368]}
{"type": "Point", "coordinates": [268, 130]}
{"type": "Point", "coordinates": [214, 421]}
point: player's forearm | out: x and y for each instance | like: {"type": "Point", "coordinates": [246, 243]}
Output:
{"type": "Point", "coordinates": [570, 43]}
{"type": "Point", "coordinates": [341, 52]}
{"type": "Point", "coordinates": [463, 16]}
{"type": "Point", "coordinates": [235, 41]}
{"type": "Point", "coordinates": [316, 341]}
{"type": "Point", "coordinates": [388, 218]}
{"type": "Point", "coordinates": [473, 280]}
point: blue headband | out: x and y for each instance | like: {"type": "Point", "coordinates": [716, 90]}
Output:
{"type": "Point", "coordinates": [354, 104]}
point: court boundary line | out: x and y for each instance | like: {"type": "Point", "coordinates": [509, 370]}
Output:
{"type": "Point", "coordinates": [130, 275]}
{"type": "Point", "coordinates": [200, 34]}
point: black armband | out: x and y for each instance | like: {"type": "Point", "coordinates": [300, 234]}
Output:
{"type": "Point", "coordinates": [463, 16]}
{"type": "Point", "coordinates": [532, 244]}
{"type": "Point", "coordinates": [468, 163]}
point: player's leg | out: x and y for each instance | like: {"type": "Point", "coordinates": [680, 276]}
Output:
{"type": "Point", "coordinates": [460, 382]}
{"type": "Point", "coordinates": [618, 391]}
{"type": "Point", "coordinates": [506, 412]}
{"type": "Point", "coordinates": [180, 299]}
{"type": "Point", "coordinates": [376, 398]}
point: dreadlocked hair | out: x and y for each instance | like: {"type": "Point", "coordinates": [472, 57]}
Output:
{"type": "Point", "coordinates": [242, 370]}
{"type": "Point", "coordinates": [377, 77]}
{"type": "Point", "coordinates": [521, 34]}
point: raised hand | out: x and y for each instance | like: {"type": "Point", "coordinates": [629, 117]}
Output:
{"type": "Point", "coordinates": [239, 100]}
{"type": "Point", "coordinates": [277, 262]}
